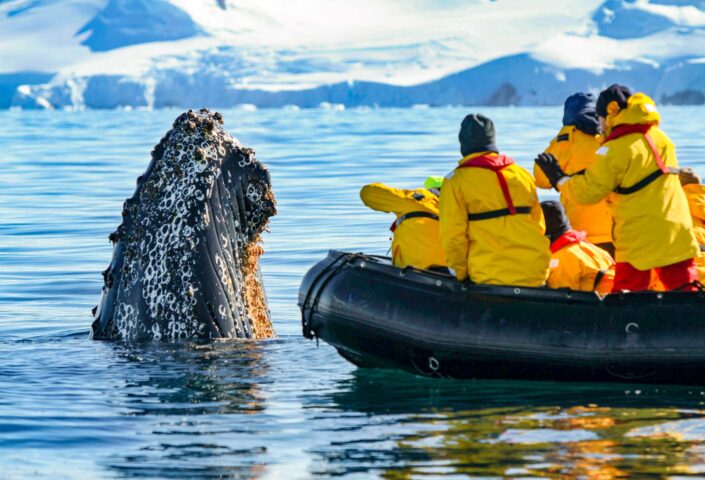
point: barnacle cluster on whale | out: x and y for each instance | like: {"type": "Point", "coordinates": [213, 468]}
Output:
{"type": "Point", "coordinates": [185, 257]}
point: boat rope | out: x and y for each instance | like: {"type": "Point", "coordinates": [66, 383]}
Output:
{"type": "Point", "coordinates": [695, 283]}
{"type": "Point", "coordinates": [612, 370]}
{"type": "Point", "coordinates": [418, 370]}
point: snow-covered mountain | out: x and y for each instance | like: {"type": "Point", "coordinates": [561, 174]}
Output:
{"type": "Point", "coordinates": [268, 53]}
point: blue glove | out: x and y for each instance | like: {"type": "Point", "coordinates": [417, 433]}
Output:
{"type": "Point", "coordinates": [549, 165]}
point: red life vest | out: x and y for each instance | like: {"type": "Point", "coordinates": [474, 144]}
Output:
{"type": "Point", "coordinates": [569, 238]}
{"type": "Point", "coordinates": [496, 164]}
{"type": "Point", "coordinates": [623, 130]}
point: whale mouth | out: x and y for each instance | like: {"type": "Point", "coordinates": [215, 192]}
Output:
{"type": "Point", "coordinates": [185, 258]}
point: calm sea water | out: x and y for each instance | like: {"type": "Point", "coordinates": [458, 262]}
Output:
{"type": "Point", "coordinates": [74, 408]}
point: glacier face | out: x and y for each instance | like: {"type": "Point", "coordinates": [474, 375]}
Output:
{"type": "Point", "coordinates": [387, 53]}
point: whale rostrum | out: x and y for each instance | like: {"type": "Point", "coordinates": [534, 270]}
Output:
{"type": "Point", "coordinates": [186, 255]}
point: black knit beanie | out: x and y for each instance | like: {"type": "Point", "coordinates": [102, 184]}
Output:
{"type": "Point", "coordinates": [557, 222]}
{"type": "Point", "coordinates": [476, 135]}
{"type": "Point", "coordinates": [616, 93]}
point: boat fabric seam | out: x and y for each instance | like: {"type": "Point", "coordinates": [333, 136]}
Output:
{"type": "Point", "coordinates": [545, 351]}
{"type": "Point", "coordinates": [509, 290]}
{"type": "Point", "coordinates": [430, 279]}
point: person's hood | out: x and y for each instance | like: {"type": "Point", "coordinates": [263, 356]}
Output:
{"type": "Point", "coordinates": [641, 110]}
{"type": "Point", "coordinates": [579, 110]}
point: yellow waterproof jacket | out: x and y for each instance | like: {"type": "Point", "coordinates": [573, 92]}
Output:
{"type": "Point", "coordinates": [576, 264]}
{"type": "Point", "coordinates": [695, 193]}
{"type": "Point", "coordinates": [652, 226]}
{"type": "Point", "coordinates": [416, 241]}
{"type": "Point", "coordinates": [505, 250]}
{"type": "Point", "coordinates": [575, 151]}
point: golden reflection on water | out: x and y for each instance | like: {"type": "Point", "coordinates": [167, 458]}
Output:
{"type": "Point", "coordinates": [504, 443]}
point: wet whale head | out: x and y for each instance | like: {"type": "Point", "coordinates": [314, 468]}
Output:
{"type": "Point", "coordinates": [185, 257]}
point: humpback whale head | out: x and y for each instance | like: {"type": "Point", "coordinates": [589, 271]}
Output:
{"type": "Point", "coordinates": [185, 257]}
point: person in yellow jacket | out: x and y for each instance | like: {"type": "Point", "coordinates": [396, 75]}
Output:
{"type": "Point", "coordinates": [574, 147]}
{"type": "Point", "coordinates": [695, 193]}
{"type": "Point", "coordinates": [415, 238]}
{"type": "Point", "coordinates": [492, 227]}
{"type": "Point", "coordinates": [575, 262]}
{"type": "Point", "coordinates": [635, 167]}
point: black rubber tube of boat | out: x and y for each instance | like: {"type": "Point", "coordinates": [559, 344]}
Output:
{"type": "Point", "coordinates": [375, 314]}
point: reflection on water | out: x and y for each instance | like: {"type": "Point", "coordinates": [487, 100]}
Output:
{"type": "Point", "coordinates": [74, 408]}
{"type": "Point", "coordinates": [187, 387]}
{"type": "Point", "coordinates": [195, 379]}
{"type": "Point", "coordinates": [522, 429]}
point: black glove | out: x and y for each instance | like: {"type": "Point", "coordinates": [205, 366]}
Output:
{"type": "Point", "coordinates": [549, 165]}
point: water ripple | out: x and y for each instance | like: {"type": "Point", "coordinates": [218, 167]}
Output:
{"type": "Point", "coordinates": [73, 408]}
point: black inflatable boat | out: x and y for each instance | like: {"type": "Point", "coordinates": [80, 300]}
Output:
{"type": "Point", "coordinates": [377, 315]}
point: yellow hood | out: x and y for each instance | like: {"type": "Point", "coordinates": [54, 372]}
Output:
{"type": "Point", "coordinates": [641, 109]}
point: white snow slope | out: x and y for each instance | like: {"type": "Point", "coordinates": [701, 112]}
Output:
{"type": "Point", "coordinates": [270, 53]}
